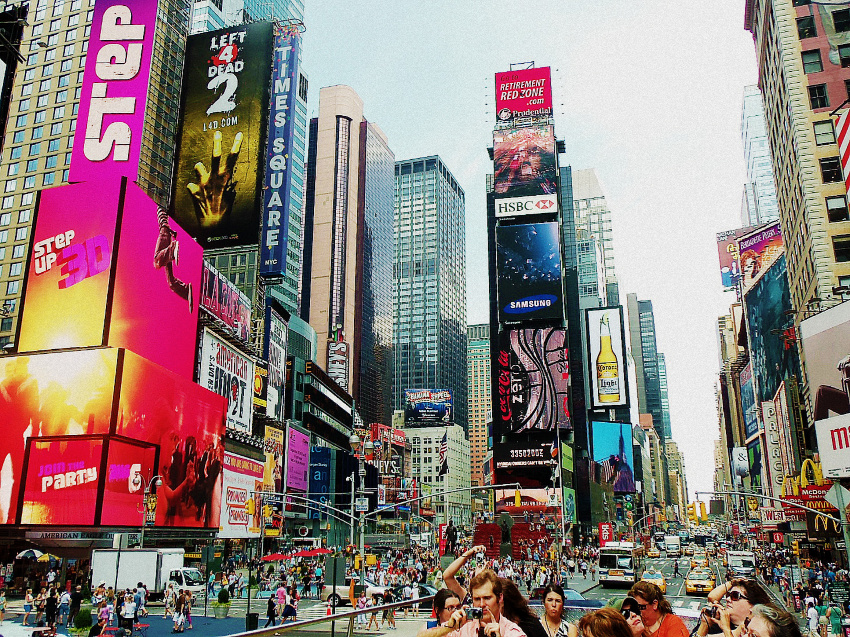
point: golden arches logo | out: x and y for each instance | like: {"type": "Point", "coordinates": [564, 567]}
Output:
{"type": "Point", "coordinates": [791, 485]}
{"type": "Point", "coordinates": [822, 520]}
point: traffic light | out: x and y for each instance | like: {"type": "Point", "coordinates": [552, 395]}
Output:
{"type": "Point", "coordinates": [795, 546]}
{"type": "Point", "coordinates": [249, 506]}
{"type": "Point", "coordinates": [267, 511]}
{"type": "Point", "coordinates": [692, 513]}
{"type": "Point", "coordinates": [703, 516]}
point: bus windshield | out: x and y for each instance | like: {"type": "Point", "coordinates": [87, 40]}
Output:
{"type": "Point", "coordinates": [612, 560]}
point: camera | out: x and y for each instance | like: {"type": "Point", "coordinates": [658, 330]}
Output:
{"type": "Point", "coordinates": [712, 611]}
{"type": "Point", "coordinates": [474, 613]}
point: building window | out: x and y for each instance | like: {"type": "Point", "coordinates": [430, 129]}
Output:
{"type": "Point", "coordinates": [830, 170]}
{"type": "Point", "coordinates": [841, 20]}
{"type": "Point", "coordinates": [53, 145]}
{"type": "Point", "coordinates": [18, 137]}
{"type": "Point", "coordinates": [812, 62]}
{"type": "Point", "coordinates": [13, 287]}
{"type": "Point", "coordinates": [29, 182]}
{"type": "Point", "coordinates": [841, 247]}
{"type": "Point", "coordinates": [824, 133]}
{"type": "Point", "coordinates": [13, 169]}
{"type": "Point", "coordinates": [836, 208]}
{"type": "Point", "coordinates": [844, 55]}
{"type": "Point", "coordinates": [818, 96]}
{"type": "Point", "coordinates": [21, 234]}
{"type": "Point", "coordinates": [806, 27]}
{"type": "Point", "coordinates": [16, 269]}
{"type": "Point", "coordinates": [18, 251]}
{"type": "Point", "coordinates": [40, 116]}
{"type": "Point", "coordinates": [32, 165]}
{"type": "Point", "coordinates": [49, 179]}
{"type": "Point", "coordinates": [24, 216]}
{"type": "Point", "coordinates": [38, 132]}
{"type": "Point", "coordinates": [51, 161]}
{"type": "Point", "coordinates": [56, 128]}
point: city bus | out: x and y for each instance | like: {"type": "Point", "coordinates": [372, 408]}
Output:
{"type": "Point", "coordinates": [621, 563]}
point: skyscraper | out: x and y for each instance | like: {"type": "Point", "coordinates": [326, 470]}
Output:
{"type": "Point", "coordinates": [665, 400]}
{"type": "Point", "coordinates": [478, 364]}
{"type": "Point", "coordinates": [593, 223]}
{"type": "Point", "coordinates": [43, 116]}
{"type": "Point", "coordinates": [348, 250]}
{"type": "Point", "coordinates": [645, 353]}
{"type": "Point", "coordinates": [760, 189]}
{"type": "Point", "coordinates": [429, 276]}
{"type": "Point", "coordinates": [208, 15]}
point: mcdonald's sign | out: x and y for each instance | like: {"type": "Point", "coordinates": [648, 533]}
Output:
{"type": "Point", "coordinates": [819, 526]}
{"type": "Point", "coordinates": [808, 489]}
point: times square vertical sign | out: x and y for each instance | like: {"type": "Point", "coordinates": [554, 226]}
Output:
{"type": "Point", "coordinates": [278, 178]}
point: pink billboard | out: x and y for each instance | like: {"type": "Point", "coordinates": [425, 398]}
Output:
{"type": "Point", "coordinates": [523, 93]}
{"type": "Point", "coordinates": [108, 138]}
{"type": "Point", "coordinates": [297, 459]}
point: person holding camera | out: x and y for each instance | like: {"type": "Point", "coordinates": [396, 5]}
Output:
{"type": "Point", "coordinates": [446, 602]}
{"type": "Point", "coordinates": [449, 574]}
{"type": "Point", "coordinates": [656, 612]}
{"type": "Point", "coordinates": [741, 595]}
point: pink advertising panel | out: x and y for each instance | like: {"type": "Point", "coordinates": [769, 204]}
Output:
{"type": "Point", "coordinates": [524, 92]}
{"type": "Point", "coordinates": [123, 493]}
{"type": "Point", "coordinates": [108, 139]}
{"type": "Point", "coordinates": [157, 286]}
{"type": "Point", "coordinates": [242, 476]}
{"type": "Point", "coordinates": [297, 459]}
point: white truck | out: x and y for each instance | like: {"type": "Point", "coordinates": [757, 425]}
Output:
{"type": "Point", "coordinates": [673, 545]}
{"type": "Point", "coordinates": [155, 568]}
{"type": "Point", "coordinates": [741, 563]}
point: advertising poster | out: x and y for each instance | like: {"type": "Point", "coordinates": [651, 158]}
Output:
{"type": "Point", "coordinates": [524, 93]}
{"type": "Point", "coordinates": [740, 463]}
{"type": "Point", "coordinates": [427, 407]}
{"type": "Point", "coordinates": [785, 427]}
{"type": "Point", "coordinates": [278, 176]}
{"type": "Point", "coordinates": [67, 283]}
{"type": "Point", "coordinates": [242, 476]}
{"type": "Point", "coordinates": [773, 356]}
{"type": "Point", "coordinates": [748, 402]}
{"type": "Point", "coordinates": [228, 373]}
{"type": "Point", "coordinates": [52, 394]}
{"type": "Point", "coordinates": [320, 480]}
{"type": "Point", "coordinates": [277, 334]}
{"type": "Point", "coordinates": [528, 263]}
{"type": "Point", "coordinates": [569, 505]}
{"type": "Point", "coordinates": [757, 251]}
{"type": "Point", "coordinates": [297, 459]}
{"type": "Point", "coordinates": [273, 478]}
{"type": "Point", "coordinates": [222, 299]}
{"type": "Point", "coordinates": [727, 248]}
{"type": "Point", "coordinates": [219, 177]}
{"type": "Point", "coordinates": [111, 118]}
{"type": "Point", "coordinates": [123, 491]}
{"type": "Point", "coordinates": [613, 452]}
{"type": "Point", "coordinates": [525, 165]}
{"type": "Point", "coordinates": [607, 357]}
{"type": "Point", "coordinates": [61, 483]}
{"type": "Point", "coordinates": [754, 458]}
{"type": "Point", "coordinates": [531, 500]}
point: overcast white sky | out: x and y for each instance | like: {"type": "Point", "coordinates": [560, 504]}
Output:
{"type": "Point", "coordinates": [647, 93]}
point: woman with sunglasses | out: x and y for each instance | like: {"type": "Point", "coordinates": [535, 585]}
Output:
{"type": "Point", "coordinates": [446, 602]}
{"type": "Point", "coordinates": [630, 610]}
{"type": "Point", "coordinates": [553, 617]}
{"type": "Point", "coordinates": [656, 612]}
{"type": "Point", "coordinates": [741, 595]}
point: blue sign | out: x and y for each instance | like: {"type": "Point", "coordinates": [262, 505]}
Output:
{"type": "Point", "coordinates": [320, 479]}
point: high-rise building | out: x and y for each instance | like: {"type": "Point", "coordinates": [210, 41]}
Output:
{"type": "Point", "coordinates": [645, 353]}
{"type": "Point", "coordinates": [760, 190]}
{"type": "Point", "coordinates": [593, 222]}
{"type": "Point", "coordinates": [43, 117]}
{"type": "Point", "coordinates": [803, 75]}
{"type": "Point", "coordinates": [429, 282]}
{"type": "Point", "coordinates": [478, 388]}
{"type": "Point", "coordinates": [665, 400]}
{"type": "Point", "coordinates": [678, 481]}
{"type": "Point", "coordinates": [348, 250]}
{"type": "Point", "coordinates": [209, 15]}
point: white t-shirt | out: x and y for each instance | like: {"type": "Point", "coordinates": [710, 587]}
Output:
{"type": "Point", "coordinates": [812, 614]}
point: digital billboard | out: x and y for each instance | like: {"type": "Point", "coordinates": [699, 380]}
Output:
{"type": "Point", "coordinates": [278, 173]}
{"type": "Point", "coordinates": [525, 171]}
{"type": "Point", "coordinates": [524, 93]}
{"type": "Point", "coordinates": [228, 373]}
{"type": "Point", "coordinates": [606, 359]}
{"type": "Point", "coordinates": [242, 477]}
{"type": "Point", "coordinates": [614, 453]}
{"type": "Point", "coordinates": [754, 460]}
{"type": "Point", "coordinates": [123, 491]}
{"type": "Point", "coordinates": [748, 402]}
{"type": "Point", "coordinates": [320, 480]}
{"type": "Point", "coordinates": [427, 407]}
{"type": "Point", "coordinates": [528, 265]}
{"type": "Point", "coordinates": [772, 355]}
{"type": "Point", "coordinates": [277, 335]}
{"type": "Point", "coordinates": [219, 177]}
{"type": "Point", "coordinates": [530, 500]}
{"type": "Point", "coordinates": [297, 459]}
{"type": "Point", "coordinates": [220, 297]}
{"type": "Point", "coordinates": [757, 251]}
{"type": "Point", "coordinates": [727, 248]}
{"type": "Point", "coordinates": [108, 137]}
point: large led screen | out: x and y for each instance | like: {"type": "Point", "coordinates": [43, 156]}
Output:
{"type": "Point", "coordinates": [228, 373]}
{"type": "Point", "coordinates": [826, 342]}
{"type": "Point", "coordinates": [242, 477]}
{"type": "Point", "coordinates": [123, 491]}
{"type": "Point", "coordinates": [773, 354]}
{"type": "Point", "coordinates": [748, 402]}
{"type": "Point", "coordinates": [427, 407]}
{"type": "Point", "coordinates": [607, 357]}
{"type": "Point", "coordinates": [297, 459]}
{"type": "Point", "coordinates": [758, 251]}
{"type": "Point", "coordinates": [528, 263]}
{"type": "Point", "coordinates": [221, 298]}
{"type": "Point", "coordinates": [218, 181]}
{"type": "Point", "coordinates": [523, 93]}
{"type": "Point", "coordinates": [61, 483]}
{"type": "Point", "coordinates": [524, 162]}
{"type": "Point", "coordinates": [277, 337]}
{"type": "Point", "coordinates": [613, 453]}
{"type": "Point", "coordinates": [53, 394]}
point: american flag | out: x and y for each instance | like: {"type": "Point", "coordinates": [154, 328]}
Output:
{"type": "Point", "coordinates": [842, 133]}
{"type": "Point", "coordinates": [444, 455]}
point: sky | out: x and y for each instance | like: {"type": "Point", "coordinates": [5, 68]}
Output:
{"type": "Point", "coordinates": [647, 94]}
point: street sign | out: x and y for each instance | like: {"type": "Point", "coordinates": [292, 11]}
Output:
{"type": "Point", "coordinates": [778, 538]}
{"type": "Point", "coordinates": [361, 505]}
{"type": "Point", "coordinates": [839, 592]}
{"type": "Point", "coordinates": [832, 495]}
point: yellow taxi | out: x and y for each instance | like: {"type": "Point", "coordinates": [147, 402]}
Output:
{"type": "Point", "coordinates": [656, 577]}
{"type": "Point", "coordinates": [689, 549]}
{"type": "Point", "coordinates": [700, 580]}
{"type": "Point", "coordinates": [699, 559]}
{"type": "Point", "coordinates": [653, 552]}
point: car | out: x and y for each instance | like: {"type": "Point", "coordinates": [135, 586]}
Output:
{"type": "Point", "coordinates": [656, 577]}
{"type": "Point", "coordinates": [700, 580]}
{"type": "Point", "coordinates": [425, 590]}
{"type": "Point", "coordinates": [689, 549]}
{"type": "Point", "coordinates": [699, 559]}
{"type": "Point", "coordinates": [653, 552]}
{"type": "Point", "coordinates": [340, 597]}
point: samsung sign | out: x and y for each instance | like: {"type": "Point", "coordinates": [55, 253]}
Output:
{"type": "Point", "coordinates": [530, 304]}
{"type": "Point", "coordinates": [535, 205]}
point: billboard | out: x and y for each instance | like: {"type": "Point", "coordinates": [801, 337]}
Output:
{"type": "Point", "coordinates": [727, 248]}
{"type": "Point", "coordinates": [613, 452]}
{"type": "Point", "coordinates": [222, 299]}
{"type": "Point", "coordinates": [297, 459]}
{"type": "Point", "coordinates": [757, 251]}
{"type": "Point", "coordinates": [277, 335]}
{"type": "Point", "coordinates": [607, 357]}
{"type": "Point", "coordinates": [528, 265]}
{"type": "Point", "coordinates": [278, 175]}
{"type": "Point", "coordinates": [122, 490]}
{"type": "Point", "coordinates": [740, 463]}
{"type": "Point", "coordinates": [748, 402]}
{"type": "Point", "coordinates": [273, 478]}
{"type": "Point", "coordinates": [427, 407]}
{"type": "Point", "coordinates": [531, 500]}
{"type": "Point", "coordinates": [338, 362]}
{"type": "Point", "coordinates": [570, 505]}
{"type": "Point", "coordinates": [69, 302]}
{"type": "Point", "coordinates": [218, 178]}
{"type": "Point", "coordinates": [108, 137]}
{"type": "Point", "coordinates": [320, 480]}
{"type": "Point", "coordinates": [525, 166]}
{"type": "Point", "coordinates": [754, 461]}
{"type": "Point", "coordinates": [524, 93]}
{"type": "Point", "coordinates": [774, 474]}
{"type": "Point", "coordinates": [228, 373]}
{"type": "Point", "coordinates": [242, 477]}
{"type": "Point", "coordinates": [772, 355]}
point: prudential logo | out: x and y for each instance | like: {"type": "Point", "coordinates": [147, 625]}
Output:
{"type": "Point", "coordinates": [531, 304]}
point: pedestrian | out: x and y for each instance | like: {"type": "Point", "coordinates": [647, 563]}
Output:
{"type": "Point", "coordinates": [179, 617]}
{"type": "Point", "coordinates": [76, 600]}
{"type": "Point", "coordinates": [128, 612]}
{"type": "Point", "coordinates": [408, 595]}
{"type": "Point", "coordinates": [414, 595]}
{"type": "Point", "coordinates": [187, 607]}
{"type": "Point", "coordinates": [40, 602]}
{"type": "Point", "coordinates": [362, 603]}
{"type": "Point", "coordinates": [374, 602]}
{"type": "Point", "coordinates": [168, 599]}
{"type": "Point", "coordinates": [143, 600]}
{"type": "Point", "coordinates": [50, 606]}
{"type": "Point", "coordinates": [64, 607]}
{"type": "Point", "coordinates": [389, 613]}
{"type": "Point", "coordinates": [28, 603]}
{"type": "Point", "coordinates": [271, 612]}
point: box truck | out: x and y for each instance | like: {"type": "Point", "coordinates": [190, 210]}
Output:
{"type": "Point", "coordinates": [155, 568]}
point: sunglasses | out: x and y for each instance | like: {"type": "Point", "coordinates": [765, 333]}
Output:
{"type": "Point", "coordinates": [634, 609]}
{"type": "Point", "coordinates": [736, 595]}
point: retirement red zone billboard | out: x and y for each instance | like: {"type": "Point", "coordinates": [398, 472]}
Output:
{"type": "Point", "coordinates": [526, 92]}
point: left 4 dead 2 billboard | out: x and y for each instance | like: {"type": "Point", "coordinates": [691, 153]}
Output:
{"type": "Point", "coordinates": [81, 424]}
{"type": "Point", "coordinates": [219, 175]}
{"type": "Point", "coordinates": [528, 265]}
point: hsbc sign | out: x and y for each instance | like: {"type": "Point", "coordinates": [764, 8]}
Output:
{"type": "Point", "coordinates": [520, 206]}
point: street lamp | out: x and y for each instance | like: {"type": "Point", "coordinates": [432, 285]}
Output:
{"type": "Point", "coordinates": [149, 502]}
{"type": "Point", "coordinates": [359, 446]}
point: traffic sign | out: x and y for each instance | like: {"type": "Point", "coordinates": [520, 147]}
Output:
{"type": "Point", "coordinates": [778, 538]}
{"type": "Point", "coordinates": [361, 505]}
{"type": "Point", "coordinates": [831, 496]}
